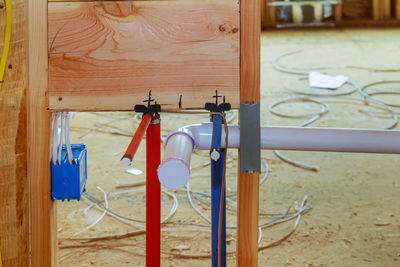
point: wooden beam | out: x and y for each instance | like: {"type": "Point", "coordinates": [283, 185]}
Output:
{"type": "Point", "coordinates": [248, 184]}
{"type": "Point", "coordinates": [14, 201]}
{"type": "Point", "coordinates": [43, 241]}
{"type": "Point", "coordinates": [108, 55]}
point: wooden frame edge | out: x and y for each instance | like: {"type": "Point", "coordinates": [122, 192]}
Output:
{"type": "Point", "coordinates": [43, 218]}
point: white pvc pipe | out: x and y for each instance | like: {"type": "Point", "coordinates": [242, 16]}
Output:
{"type": "Point", "coordinates": [174, 171]}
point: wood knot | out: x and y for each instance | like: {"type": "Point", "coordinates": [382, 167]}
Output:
{"type": "Point", "coordinates": [228, 28]}
{"type": "Point", "coordinates": [120, 9]}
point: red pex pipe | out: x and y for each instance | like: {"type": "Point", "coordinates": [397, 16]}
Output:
{"type": "Point", "coordinates": [127, 158]}
{"type": "Point", "coordinates": [153, 194]}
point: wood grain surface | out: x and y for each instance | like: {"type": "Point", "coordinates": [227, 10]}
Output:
{"type": "Point", "coordinates": [14, 201]}
{"type": "Point", "coordinates": [248, 208]}
{"type": "Point", "coordinates": [397, 9]}
{"type": "Point", "coordinates": [248, 183]}
{"type": "Point", "coordinates": [108, 55]}
{"type": "Point", "coordinates": [250, 51]}
{"type": "Point", "coordinates": [43, 217]}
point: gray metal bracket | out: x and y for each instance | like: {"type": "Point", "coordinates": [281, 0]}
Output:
{"type": "Point", "coordinates": [250, 138]}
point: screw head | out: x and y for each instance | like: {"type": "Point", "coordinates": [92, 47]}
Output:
{"type": "Point", "coordinates": [215, 155]}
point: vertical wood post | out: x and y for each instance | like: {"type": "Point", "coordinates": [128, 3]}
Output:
{"type": "Point", "coordinates": [248, 183]}
{"type": "Point", "coordinates": [387, 10]}
{"type": "Point", "coordinates": [43, 220]}
{"type": "Point", "coordinates": [375, 9]}
{"type": "Point", "coordinates": [272, 15]}
{"type": "Point", "coordinates": [338, 13]}
{"type": "Point", "coordinates": [397, 8]}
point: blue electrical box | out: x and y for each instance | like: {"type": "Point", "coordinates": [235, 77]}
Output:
{"type": "Point", "coordinates": [68, 181]}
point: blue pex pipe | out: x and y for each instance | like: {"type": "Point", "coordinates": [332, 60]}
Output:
{"type": "Point", "coordinates": [217, 168]}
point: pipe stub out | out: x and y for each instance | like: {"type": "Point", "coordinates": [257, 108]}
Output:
{"type": "Point", "coordinates": [175, 168]}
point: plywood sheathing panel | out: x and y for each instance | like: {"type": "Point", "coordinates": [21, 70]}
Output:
{"type": "Point", "coordinates": [14, 205]}
{"type": "Point", "coordinates": [108, 55]}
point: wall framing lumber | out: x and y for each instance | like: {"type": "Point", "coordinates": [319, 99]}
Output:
{"type": "Point", "coordinates": [376, 9]}
{"type": "Point", "coordinates": [397, 9]}
{"type": "Point", "coordinates": [43, 217]}
{"type": "Point", "coordinates": [108, 55]}
{"type": "Point", "coordinates": [248, 183]}
{"type": "Point", "coordinates": [14, 201]}
{"type": "Point", "coordinates": [338, 13]}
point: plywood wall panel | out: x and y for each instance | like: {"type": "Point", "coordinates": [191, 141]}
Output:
{"type": "Point", "coordinates": [108, 55]}
{"type": "Point", "coordinates": [14, 200]}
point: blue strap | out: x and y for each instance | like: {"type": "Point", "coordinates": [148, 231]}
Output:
{"type": "Point", "coordinates": [217, 168]}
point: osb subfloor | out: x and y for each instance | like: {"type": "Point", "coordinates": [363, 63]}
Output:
{"type": "Point", "coordinates": [355, 216]}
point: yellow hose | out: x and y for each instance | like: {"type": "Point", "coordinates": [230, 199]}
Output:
{"type": "Point", "coordinates": [7, 40]}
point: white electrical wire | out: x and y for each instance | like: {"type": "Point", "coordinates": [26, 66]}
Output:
{"type": "Point", "coordinates": [324, 108]}
{"type": "Point", "coordinates": [174, 207]}
{"type": "Point", "coordinates": [61, 139]}
{"type": "Point", "coordinates": [314, 116]}
{"type": "Point", "coordinates": [303, 91]}
{"type": "Point", "coordinates": [194, 206]}
{"type": "Point", "coordinates": [294, 162]}
{"type": "Point", "coordinates": [55, 137]}
{"type": "Point", "coordinates": [130, 222]}
{"type": "Point", "coordinates": [98, 219]}
{"type": "Point", "coordinates": [67, 138]}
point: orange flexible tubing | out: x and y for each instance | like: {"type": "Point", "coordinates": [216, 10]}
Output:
{"type": "Point", "coordinates": [127, 158]}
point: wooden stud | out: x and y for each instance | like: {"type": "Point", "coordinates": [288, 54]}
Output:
{"type": "Point", "coordinates": [43, 220]}
{"type": "Point", "coordinates": [264, 15]}
{"type": "Point", "coordinates": [338, 12]}
{"type": "Point", "coordinates": [248, 207]}
{"type": "Point", "coordinates": [375, 9]}
{"type": "Point", "coordinates": [387, 10]}
{"type": "Point", "coordinates": [250, 28]}
{"type": "Point", "coordinates": [14, 201]}
{"type": "Point", "coordinates": [106, 55]}
{"type": "Point", "coordinates": [397, 8]}
{"type": "Point", "coordinates": [272, 14]}
{"type": "Point", "coordinates": [248, 184]}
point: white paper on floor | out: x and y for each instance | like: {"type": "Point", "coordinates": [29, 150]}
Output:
{"type": "Point", "coordinates": [133, 171]}
{"type": "Point", "coordinates": [320, 80]}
